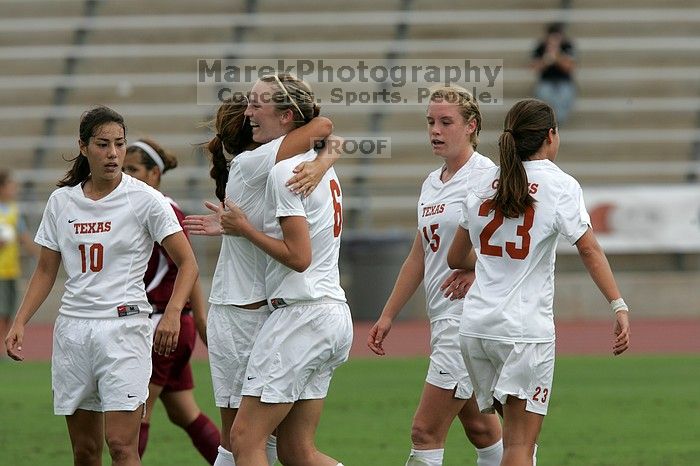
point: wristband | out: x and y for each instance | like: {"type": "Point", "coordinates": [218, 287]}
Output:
{"type": "Point", "coordinates": [618, 305]}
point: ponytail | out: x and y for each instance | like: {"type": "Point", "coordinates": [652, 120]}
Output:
{"type": "Point", "coordinates": [79, 172]}
{"type": "Point", "coordinates": [512, 196]}
{"type": "Point", "coordinates": [527, 125]}
{"type": "Point", "coordinates": [219, 169]}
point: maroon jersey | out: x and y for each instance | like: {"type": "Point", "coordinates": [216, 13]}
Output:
{"type": "Point", "coordinates": [161, 272]}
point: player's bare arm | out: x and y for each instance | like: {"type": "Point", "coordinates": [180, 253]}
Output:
{"type": "Point", "coordinates": [180, 251]}
{"type": "Point", "coordinates": [294, 250]}
{"type": "Point", "coordinates": [38, 289]}
{"type": "Point", "coordinates": [461, 253]}
{"type": "Point", "coordinates": [410, 277]}
{"type": "Point", "coordinates": [598, 268]}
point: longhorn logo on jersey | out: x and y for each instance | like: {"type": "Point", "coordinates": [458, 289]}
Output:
{"type": "Point", "coordinates": [433, 210]}
{"type": "Point", "coordinates": [92, 227]}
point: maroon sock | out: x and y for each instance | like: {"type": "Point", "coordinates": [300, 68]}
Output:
{"type": "Point", "coordinates": [143, 438]}
{"type": "Point", "coordinates": [205, 437]}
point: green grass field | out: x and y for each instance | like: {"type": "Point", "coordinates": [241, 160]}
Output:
{"type": "Point", "coordinates": [641, 411]}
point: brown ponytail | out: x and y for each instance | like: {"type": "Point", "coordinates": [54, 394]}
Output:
{"type": "Point", "coordinates": [232, 134]}
{"type": "Point", "coordinates": [527, 125]}
{"type": "Point", "coordinates": [90, 122]}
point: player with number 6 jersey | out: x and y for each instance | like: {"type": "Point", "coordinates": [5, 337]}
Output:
{"type": "Point", "coordinates": [513, 218]}
{"type": "Point", "coordinates": [309, 333]}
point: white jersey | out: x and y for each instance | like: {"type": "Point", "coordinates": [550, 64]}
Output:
{"type": "Point", "coordinates": [239, 277]}
{"type": "Point", "coordinates": [105, 245]}
{"type": "Point", "coordinates": [323, 212]}
{"type": "Point", "coordinates": [511, 299]}
{"type": "Point", "coordinates": [439, 212]}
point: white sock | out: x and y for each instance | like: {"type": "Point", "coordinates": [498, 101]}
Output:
{"type": "Point", "coordinates": [534, 456]}
{"type": "Point", "coordinates": [490, 456]}
{"type": "Point", "coordinates": [271, 450]}
{"type": "Point", "coordinates": [224, 458]}
{"type": "Point", "coordinates": [425, 457]}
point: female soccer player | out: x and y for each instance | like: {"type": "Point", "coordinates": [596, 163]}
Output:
{"type": "Point", "coordinates": [513, 218]}
{"type": "Point", "coordinates": [101, 223]}
{"type": "Point", "coordinates": [310, 332]}
{"type": "Point", "coordinates": [454, 122]}
{"type": "Point", "coordinates": [241, 167]}
{"type": "Point", "coordinates": [171, 379]}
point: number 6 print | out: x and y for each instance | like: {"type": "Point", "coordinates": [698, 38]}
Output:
{"type": "Point", "coordinates": [523, 231]}
{"type": "Point", "coordinates": [337, 209]}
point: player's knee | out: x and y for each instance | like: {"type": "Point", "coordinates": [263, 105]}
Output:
{"type": "Point", "coordinates": [121, 448]}
{"type": "Point", "coordinates": [422, 435]}
{"type": "Point", "coordinates": [87, 452]}
{"type": "Point", "coordinates": [242, 440]}
{"type": "Point", "coordinates": [296, 455]}
{"type": "Point", "coordinates": [179, 418]}
{"type": "Point", "coordinates": [482, 430]}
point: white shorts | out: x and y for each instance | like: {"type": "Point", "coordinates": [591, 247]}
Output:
{"type": "Point", "coordinates": [231, 332]}
{"type": "Point", "coordinates": [297, 351]}
{"type": "Point", "coordinates": [447, 369]}
{"type": "Point", "coordinates": [500, 368]}
{"type": "Point", "coordinates": [101, 364]}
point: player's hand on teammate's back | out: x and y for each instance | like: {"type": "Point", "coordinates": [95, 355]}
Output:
{"type": "Point", "coordinates": [307, 175]}
{"type": "Point", "coordinates": [457, 284]}
{"type": "Point", "coordinates": [167, 332]}
{"type": "Point", "coordinates": [379, 331]}
{"type": "Point", "coordinates": [622, 333]}
{"type": "Point", "coordinates": [208, 225]}
{"type": "Point", "coordinates": [233, 219]}
{"type": "Point", "coordinates": [13, 342]}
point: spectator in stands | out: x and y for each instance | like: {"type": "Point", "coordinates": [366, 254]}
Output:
{"type": "Point", "coordinates": [101, 223]}
{"type": "Point", "coordinates": [513, 218]}
{"type": "Point", "coordinates": [171, 378]}
{"type": "Point", "coordinates": [554, 60]}
{"type": "Point", "coordinates": [14, 235]}
{"type": "Point", "coordinates": [238, 299]}
{"type": "Point", "coordinates": [454, 122]}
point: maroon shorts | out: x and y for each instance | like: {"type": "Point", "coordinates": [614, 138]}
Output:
{"type": "Point", "coordinates": [173, 372]}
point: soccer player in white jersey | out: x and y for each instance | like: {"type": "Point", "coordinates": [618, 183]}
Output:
{"type": "Point", "coordinates": [454, 121]}
{"type": "Point", "coordinates": [171, 376]}
{"type": "Point", "coordinates": [101, 223]}
{"type": "Point", "coordinates": [310, 333]}
{"type": "Point", "coordinates": [513, 218]}
{"type": "Point", "coordinates": [238, 299]}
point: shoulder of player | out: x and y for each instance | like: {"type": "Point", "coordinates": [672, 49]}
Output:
{"type": "Point", "coordinates": [561, 181]}
{"type": "Point", "coordinates": [271, 146]}
{"type": "Point", "coordinates": [286, 167]}
{"type": "Point", "coordinates": [481, 161]}
{"type": "Point", "coordinates": [139, 189]}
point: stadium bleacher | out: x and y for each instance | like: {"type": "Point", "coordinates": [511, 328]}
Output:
{"type": "Point", "coordinates": [636, 119]}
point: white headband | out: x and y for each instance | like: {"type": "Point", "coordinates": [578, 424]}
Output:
{"type": "Point", "coordinates": [151, 152]}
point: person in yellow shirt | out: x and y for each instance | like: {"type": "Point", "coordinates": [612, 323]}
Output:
{"type": "Point", "coordinates": [13, 235]}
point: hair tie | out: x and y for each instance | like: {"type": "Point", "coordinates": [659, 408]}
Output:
{"type": "Point", "coordinates": [218, 135]}
{"type": "Point", "coordinates": [508, 130]}
{"type": "Point", "coordinates": [151, 152]}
